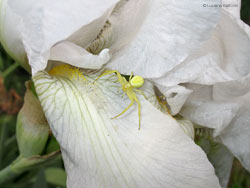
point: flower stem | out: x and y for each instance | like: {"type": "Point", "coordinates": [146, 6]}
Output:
{"type": "Point", "coordinates": [7, 173]}
{"type": "Point", "coordinates": [10, 69]}
{"type": "Point", "coordinates": [22, 164]}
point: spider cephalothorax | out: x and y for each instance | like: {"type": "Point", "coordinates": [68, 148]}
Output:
{"type": "Point", "coordinates": [130, 88]}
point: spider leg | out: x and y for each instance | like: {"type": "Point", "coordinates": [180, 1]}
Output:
{"type": "Point", "coordinates": [121, 79]}
{"type": "Point", "coordinates": [133, 98]}
{"type": "Point", "coordinates": [139, 111]}
{"type": "Point", "coordinates": [141, 92]}
{"type": "Point", "coordinates": [106, 72]}
{"type": "Point", "coordinates": [131, 104]}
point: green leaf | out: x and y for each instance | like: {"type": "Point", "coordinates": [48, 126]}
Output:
{"type": "Point", "coordinates": [40, 181]}
{"type": "Point", "coordinates": [56, 176]}
{"type": "Point", "coordinates": [52, 145]}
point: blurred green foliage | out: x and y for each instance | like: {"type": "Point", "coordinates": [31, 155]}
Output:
{"type": "Point", "coordinates": [53, 175]}
{"type": "Point", "coordinates": [240, 178]}
{"type": "Point", "coordinates": [49, 176]}
{"type": "Point", "coordinates": [245, 11]}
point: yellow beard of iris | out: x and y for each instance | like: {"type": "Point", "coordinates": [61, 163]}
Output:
{"type": "Point", "coordinates": [130, 88]}
{"type": "Point", "coordinates": [67, 71]}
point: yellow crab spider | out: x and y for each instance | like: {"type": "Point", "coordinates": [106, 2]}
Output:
{"type": "Point", "coordinates": [129, 87]}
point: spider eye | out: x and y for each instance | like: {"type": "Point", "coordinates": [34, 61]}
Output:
{"type": "Point", "coordinates": [137, 81]}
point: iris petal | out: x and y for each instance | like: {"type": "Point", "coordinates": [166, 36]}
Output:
{"type": "Point", "coordinates": [102, 152]}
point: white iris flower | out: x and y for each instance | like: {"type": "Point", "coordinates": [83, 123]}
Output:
{"type": "Point", "coordinates": [196, 55]}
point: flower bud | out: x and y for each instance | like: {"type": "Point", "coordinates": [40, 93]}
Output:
{"type": "Point", "coordinates": [32, 127]}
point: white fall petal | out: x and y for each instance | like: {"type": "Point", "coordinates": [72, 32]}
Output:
{"type": "Point", "coordinates": [102, 152]}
